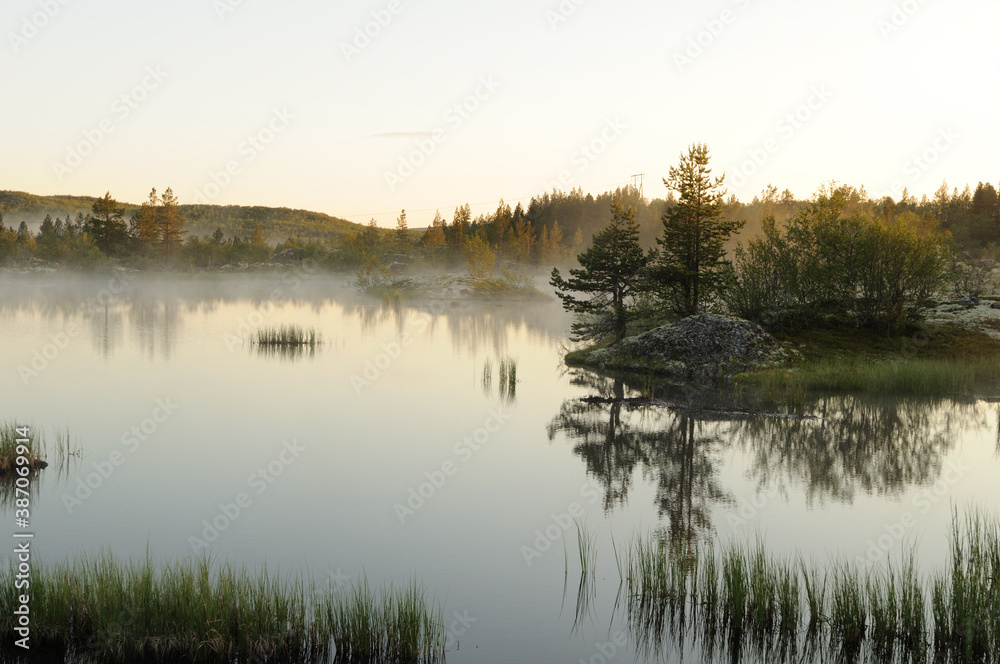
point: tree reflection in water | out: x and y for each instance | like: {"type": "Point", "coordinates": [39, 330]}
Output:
{"type": "Point", "coordinates": [848, 446]}
{"type": "Point", "coordinates": [677, 450]}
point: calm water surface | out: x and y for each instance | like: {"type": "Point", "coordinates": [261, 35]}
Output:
{"type": "Point", "coordinates": [384, 453]}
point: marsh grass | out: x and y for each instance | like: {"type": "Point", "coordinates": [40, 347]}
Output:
{"type": "Point", "coordinates": [744, 595]}
{"type": "Point", "coordinates": [33, 450]}
{"type": "Point", "coordinates": [286, 342]}
{"type": "Point", "coordinates": [286, 335]}
{"type": "Point", "coordinates": [196, 611]}
{"type": "Point", "coordinates": [393, 625]}
{"type": "Point", "coordinates": [966, 597]}
{"type": "Point", "coordinates": [587, 588]}
{"type": "Point", "coordinates": [916, 377]}
{"type": "Point", "coordinates": [933, 361]}
{"type": "Point", "coordinates": [508, 378]}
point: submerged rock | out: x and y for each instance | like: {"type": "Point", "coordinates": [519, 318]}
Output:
{"type": "Point", "coordinates": [697, 346]}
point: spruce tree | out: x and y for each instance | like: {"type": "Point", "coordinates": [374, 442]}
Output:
{"type": "Point", "coordinates": [106, 224]}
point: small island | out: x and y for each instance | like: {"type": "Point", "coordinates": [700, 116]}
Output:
{"type": "Point", "coordinates": [845, 295]}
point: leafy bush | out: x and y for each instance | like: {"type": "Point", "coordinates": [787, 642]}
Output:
{"type": "Point", "coordinates": [372, 274]}
{"type": "Point", "coordinates": [822, 263]}
{"type": "Point", "coordinates": [480, 257]}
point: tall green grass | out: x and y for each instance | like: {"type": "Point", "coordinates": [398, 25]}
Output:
{"type": "Point", "coordinates": [966, 597]}
{"type": "Point", "coordinates": [746, 595]}
{"type": "Point", "coordinates": [916, 377]}
{"type": "Point", "coordinates": [33, 450]}
{"type": "Point", "coordinates": [587, 588]}
{"type": "Point", "coordinates": [286, 335]}
{"type": "Point", "coordinates": [194, 611]}
{"type": "Point", "coordinates": [508, 378]}
{"type": "Point", "coordinates": [286, 341]}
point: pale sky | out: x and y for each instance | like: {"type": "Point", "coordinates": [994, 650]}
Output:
{"type": "Point", "coordinates": [126, 95]}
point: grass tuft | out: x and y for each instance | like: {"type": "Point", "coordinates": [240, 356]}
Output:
{"type": "Point", "coordinates": [194, 611]}
{"type": "Point", "coordinates": [508, 378]}
{"type": "Point", "coordinates": [751, 597]}
{"type": "Point", "coordinates": [13, 445]}
{"type": "Point", "coordinates": [286, 335]}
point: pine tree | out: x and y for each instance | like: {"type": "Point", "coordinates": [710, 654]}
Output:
{"type": "Point", "coordinates": [170, 222]}
{"type": "Point", "coordinates": [144, 227]}
{"type": "Point", "coordinates": [370, 238]}
{"type": "Point", "coordinates": [460, 225]}
{"type": "Point", "coordinates": [402, 233]}
{"type": "Point", "coordinates": [691, 263]}
{"type": "Point", "coordinates": [522, 239]}
{"type": "Point", "coordinates": [434, 236]}
{"type": "Point", "coordinates": [609, 275]}
{"type": "Point", "coordinates": [555, 242]}
{"type": "Point", "coordinates": [501, 225]}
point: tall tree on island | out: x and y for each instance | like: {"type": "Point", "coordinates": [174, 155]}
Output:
{"type": "Point", "coordinates": [106, 224]}
{"type": "Point", "coordinates": [608, 277]}
{"type": "Point", "coordinates": [170, 222]}
{"type": "Point", "coordinates": [691, 264]}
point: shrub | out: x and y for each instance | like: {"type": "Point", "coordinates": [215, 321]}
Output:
{"type": "Point", "coordinates": [822, 263]}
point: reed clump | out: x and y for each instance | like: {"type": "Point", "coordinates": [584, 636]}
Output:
{"type": "Point", "coordinates": [286, 335]}
{"type": "Point", "coordinates": [741, 591]}
{"type": "Point", "coordinates": [195, 611]}
{"type": "Point", "coordinates": [23, 442]}
{"type": "Point", "coordinates": [966, 597]}
{"type": "Point", "coordinates": [508, 378]}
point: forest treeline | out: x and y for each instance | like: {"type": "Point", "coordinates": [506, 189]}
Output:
{"type": "Point", "coordinates": [552, 228]}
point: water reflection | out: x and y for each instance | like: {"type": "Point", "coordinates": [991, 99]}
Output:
{"type": "Point", "coordinates": [857, 445]}
{"type": "Point", "coordinates": [155, 325]}
{"type": "Point", "coordinates": [852, 446]}
{"type": "Point", "coordinates": [286, 352]}
{"type": "Point", "coordinates": [679, 452]}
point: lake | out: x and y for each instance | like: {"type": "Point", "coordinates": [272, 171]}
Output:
{"type": "Point", "coordinates": [386, 453]}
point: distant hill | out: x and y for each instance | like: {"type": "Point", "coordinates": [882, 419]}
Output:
{"type": "Point", "coordinates": [277, 223]}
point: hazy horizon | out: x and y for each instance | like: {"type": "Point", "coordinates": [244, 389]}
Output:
{"type": "Point", "coordinates": [241, 103]}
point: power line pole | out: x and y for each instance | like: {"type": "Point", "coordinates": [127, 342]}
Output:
{"type": "Point", "coordinates": [639, 178]}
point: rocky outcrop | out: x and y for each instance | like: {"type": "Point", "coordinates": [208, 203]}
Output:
{"type": "Point", "coordinates": [705, 345]}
